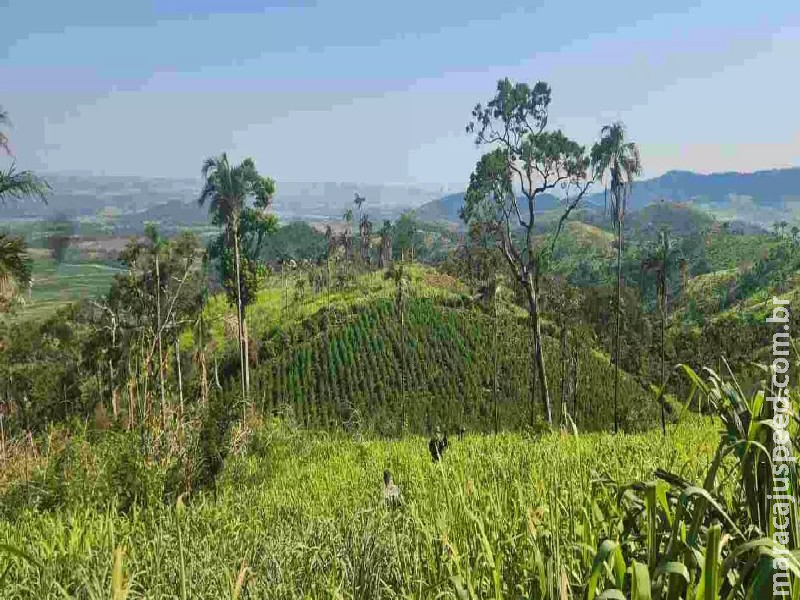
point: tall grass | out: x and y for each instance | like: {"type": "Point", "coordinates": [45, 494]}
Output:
{"type": "Point", "coordinates": [302, 517]}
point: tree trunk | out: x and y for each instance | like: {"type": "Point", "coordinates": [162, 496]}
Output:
{"type": "Point", "coordinates": [216, 373]}
{"type": "Point", "coordinates": [619, 311]}
{"type": "Point", "coordinates": [536, 333]}
{"type": "Point", "coordinates": [180, 378]}
{"type": "Point", "coordinates": [240, 316]}
{"type": "Point", "coordinates": [564, 374]}
{"type": "Point", "coordinates": [663, 371]}
{"type": "Point", "coordinates": [575, 384]}
{"type": "Point", "coordinates": [534, 373]}
{"type": "Point", "coordinates": [403, 369]}
{"type": "Point", "coordinates": [160, 351]}
{"type": "Point", "coordinates": [114, 394]}
{"type": "Point", "coordinates": [246, 350]}
{"type": "Point", "coordinates": [203, 379]}
{"type": "Point", "coordinates": [494, 347]}
{"type": "Point", "coordinates": [132, 398]}
{"type": "Point", "coordinates": [144, 375]}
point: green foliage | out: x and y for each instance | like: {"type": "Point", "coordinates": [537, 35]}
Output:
{"type": "Point", "coordinates": [714, 540]}
{"type": "Point", "coordinates": [15, 267]}
{"type": "Point", "coordinates": [405, 235]}
{"type": "Point", "coordinates": [294, 241]}
{"type": "Point", "coordinates": [351, 372]}
{"type": "Point", "coordinates": [501, 514]}
{"type": "Point", "coordinates": [20, 185]}
{"type": "Point", "coordinates": [86, 470]}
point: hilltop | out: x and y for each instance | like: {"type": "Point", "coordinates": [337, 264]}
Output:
{"type": "Point", "coordinates": [336, 358]}
{"type": "Point", "coordinates": [759, 197]}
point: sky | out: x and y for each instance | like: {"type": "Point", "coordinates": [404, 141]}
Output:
{"type": "Point", "coordinates": [379, 92]}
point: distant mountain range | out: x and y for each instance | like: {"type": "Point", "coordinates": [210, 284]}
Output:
{"type": "Point", "coordinates": [126, 203]}
{"type": "Point", "coordinates": [759, 197]}
{"type": "Point", "coordinates": [773, 188]}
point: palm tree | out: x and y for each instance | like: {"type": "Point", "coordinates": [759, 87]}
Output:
{"type": "Point", "coordinates": [795, 232]}
{"type": "Point", "coordinates": [347, 234]}
{"type": "Point", "coordinates": [358, 201]}
{"type": "Point", "coordinates": [365, 233]}
{"type": "Point", "coordinates": [227, 189]}
{"type": "Point", "coordinates": [618, 158]}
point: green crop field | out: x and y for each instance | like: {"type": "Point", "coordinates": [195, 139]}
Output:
{"type": "Point", "coordinates": [357, 370]}
{"type": "Point", "coordinates": [300, 516]}
{"type": "Point", "coordinates": [56, 284]}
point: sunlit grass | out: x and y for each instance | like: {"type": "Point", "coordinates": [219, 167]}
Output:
{"type": "Point", "coordinates": [306, 516]}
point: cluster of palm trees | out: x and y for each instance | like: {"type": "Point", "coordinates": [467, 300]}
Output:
{"type": "Point", "coordinates": [15, 271]}
{"type": "Point", "coordinates": [779, 229]}
{"type": "Point", "coordinates": [226, 190]}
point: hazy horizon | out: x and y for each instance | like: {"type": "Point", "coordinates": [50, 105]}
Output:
{"type": "Point", "coordinates": [362, 93]}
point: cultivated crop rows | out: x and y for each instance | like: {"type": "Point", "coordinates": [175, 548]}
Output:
{"type": "Point", "coordinates": [353, 374]}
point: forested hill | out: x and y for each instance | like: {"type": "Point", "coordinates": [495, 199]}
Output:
{"type": "Point", "coordinates": [738, 193]}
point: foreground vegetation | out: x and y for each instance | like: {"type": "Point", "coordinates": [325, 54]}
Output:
{"type": "Point", "coordinates": [293, 515]}
{"type": "Point", "coordinates": [142, 460]}
{"type": "Point", "coordinates": [303, 516]}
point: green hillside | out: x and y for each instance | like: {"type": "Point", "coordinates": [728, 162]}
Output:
{"type": "Point", "coordinates": [347, 368]}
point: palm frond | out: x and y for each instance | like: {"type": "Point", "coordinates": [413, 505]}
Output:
{"type": "Point", "coordinates": [212, 164]}
{"type": "Point", "coordinates": [208, 192]}
{"type": "Point", "coordinates": [17, 185]}
{"type": "Point", "coordinates": [14, 261]}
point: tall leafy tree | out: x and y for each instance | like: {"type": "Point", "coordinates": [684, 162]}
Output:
{"type": "Point", "coordinates": [149, 304]}
{"type": "Point", "coordinates": [227, 189]}
{"type": "Point", "coordinates": [347, 234]}
{"type": "Point", "coordinates": [523, 156]}
{"type": "Point", "coordinates": [616, 160]}
{"type": "Point", "coordinates": [358, 201]}
{"type": "Point", "coordinates": [406, 235]}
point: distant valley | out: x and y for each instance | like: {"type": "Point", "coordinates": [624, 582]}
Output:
{"type": "Point", "coordinates": [125, 204]}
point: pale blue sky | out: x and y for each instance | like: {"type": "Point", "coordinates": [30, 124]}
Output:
{"type": "Point", "coordinates": [377, 92]}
